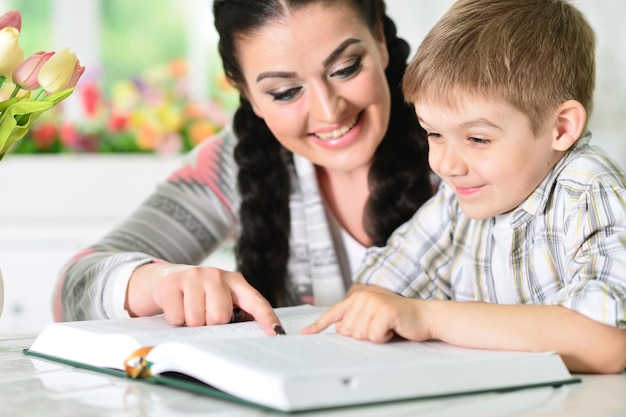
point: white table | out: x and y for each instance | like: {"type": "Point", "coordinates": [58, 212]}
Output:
{"type": "Point", "coordinates": [35, 387]}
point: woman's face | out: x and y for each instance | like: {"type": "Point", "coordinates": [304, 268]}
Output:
{"type": "Point", "coordinates": [317, 78]}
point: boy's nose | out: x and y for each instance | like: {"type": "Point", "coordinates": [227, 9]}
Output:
{"type": "Point", "coordinates": [451, 161]}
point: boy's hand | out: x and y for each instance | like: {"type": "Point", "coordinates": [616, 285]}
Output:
{"type": "Point", "coordinates": [375, 314]}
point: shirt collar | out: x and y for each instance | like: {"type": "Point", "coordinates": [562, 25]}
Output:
{"type": "Point", "coordinates": [538, 199]}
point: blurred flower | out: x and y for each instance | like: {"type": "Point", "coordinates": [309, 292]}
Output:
{"type": "Point", "coordinates": [151, 112]}
{"type": "Point", "coordinates": [19, 110]}
{"type": "Point", "coordinates": [200, 130]}
{"type": "Point", "coordinates": [90, 97]}
{"type": "Point", "coordinates": [45, 135]}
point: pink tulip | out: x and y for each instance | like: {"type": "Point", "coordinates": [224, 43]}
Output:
{"type": "Point", "coordinates": [25, 75]}
{"type": "Point", "coordinates": [12, 19]}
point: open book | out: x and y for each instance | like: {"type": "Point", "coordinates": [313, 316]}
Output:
{"type": "Point", "coordinates": [294, 372]}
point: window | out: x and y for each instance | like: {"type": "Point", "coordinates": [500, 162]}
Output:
{"type": "Point", "coordinates": [153, 78]}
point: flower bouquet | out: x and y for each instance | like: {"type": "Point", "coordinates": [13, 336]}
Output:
{"type": "Point", "coordinates": [40, 81]}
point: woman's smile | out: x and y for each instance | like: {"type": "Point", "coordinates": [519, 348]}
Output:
{"type": "Point", "coordinates": [341, 137]}
{"type": "Point", "coordinates": [336, 133]}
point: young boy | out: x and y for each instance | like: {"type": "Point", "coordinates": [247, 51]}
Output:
{"type": "Point", "coordinates": [524, 245]}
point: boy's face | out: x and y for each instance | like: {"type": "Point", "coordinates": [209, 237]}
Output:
{"type": "Point", "coordinates": [487, 152]}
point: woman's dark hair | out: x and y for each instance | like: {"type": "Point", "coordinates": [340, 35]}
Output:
{"type": "Point", "coordinates": [399, 179]}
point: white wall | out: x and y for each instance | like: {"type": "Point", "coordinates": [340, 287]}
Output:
{"type": "Point", "coordinates": [414, 19]}
{"type": "Point", "coordinates": [52, 206]}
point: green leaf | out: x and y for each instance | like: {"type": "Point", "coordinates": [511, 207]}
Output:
{"type": "Point", "coordinates": [6, 103]}
{"type": "Point", "coordinates": [56, 98]}
{"type": "Point", "coordinates": [18, 113]}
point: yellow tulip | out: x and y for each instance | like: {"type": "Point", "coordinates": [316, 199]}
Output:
{"type": "Point", "coordinates": [76, 74]}
{"type": "Point", "coordinates": [11, 54]}
{"type": "Point", "coordinates": [56, 73]}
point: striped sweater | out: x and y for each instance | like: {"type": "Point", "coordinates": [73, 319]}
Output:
{"type": "Point", "coordinates": [184, 220]}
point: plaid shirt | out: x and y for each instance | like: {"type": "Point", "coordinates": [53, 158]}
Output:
{"type": "Point", "coordinates": [568, 247]}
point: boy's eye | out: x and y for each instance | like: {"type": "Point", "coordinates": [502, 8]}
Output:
{"type": "Point", "coordinates": [478, 141]}
{"type": "Point", "coordinates": [349, 70]}
{"type": "Point", "coordinates": [286, 95]}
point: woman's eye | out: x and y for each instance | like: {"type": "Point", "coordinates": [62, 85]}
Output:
{"type": "Point", "coordinates": [433, 135]}
{"type": "Point", "coordinates": [286, 95]}
{"type": "Point", "coordinates": [349, 70]}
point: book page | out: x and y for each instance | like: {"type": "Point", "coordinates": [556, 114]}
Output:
{"type": "Point", "coordinates": [333, 369]}
{"type": "Point", "coordinates": [107, 343]}
{"type": "Point", "coordinates": [327, 351]}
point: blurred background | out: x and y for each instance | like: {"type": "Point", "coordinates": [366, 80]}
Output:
{"type": "Point", "coordinates": [153, 88]}
{"type": "Point", "coordinates": [154, 83]}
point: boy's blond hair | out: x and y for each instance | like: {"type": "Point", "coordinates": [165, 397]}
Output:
{"type": "Point", "coordinates": [533, 54]}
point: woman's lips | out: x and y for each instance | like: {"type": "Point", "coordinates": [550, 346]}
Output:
{"type": "Point", "coordinates": [340, 137]}
{"type": "Point", "coordinates": [337, 133]}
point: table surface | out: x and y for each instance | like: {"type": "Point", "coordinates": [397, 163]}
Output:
{"type": "Point", "coordinates": [35, 387]}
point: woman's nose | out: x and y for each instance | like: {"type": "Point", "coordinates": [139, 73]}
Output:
{"type": "Point", "coordinates": [325, 104]}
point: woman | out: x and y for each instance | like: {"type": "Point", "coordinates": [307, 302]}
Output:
{"type": "Point", "coordinates": [324, 160]}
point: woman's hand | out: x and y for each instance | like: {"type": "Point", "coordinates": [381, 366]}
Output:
{"type": "Point", "coordinates": [373, 313]}
{"type": "Point", "coordinates": [195, 295]}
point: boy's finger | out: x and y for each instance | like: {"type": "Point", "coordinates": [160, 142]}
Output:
{"type": "Point", "coordinates": [330, 316]}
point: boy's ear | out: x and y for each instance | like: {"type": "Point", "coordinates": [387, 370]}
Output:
{"type": "Point", "coordinates": [570, 123]}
